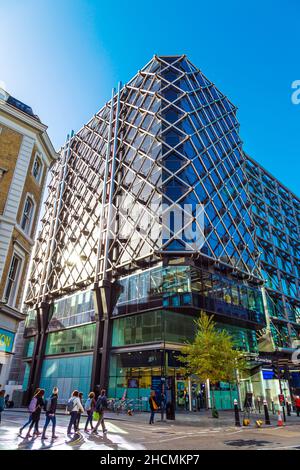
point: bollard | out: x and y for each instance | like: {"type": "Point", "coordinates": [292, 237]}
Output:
{"type": "Point", "coordinates": [236, 413]}
{"type": "Point", "coordinates": [288, 408]}
{"type": "Point", "coordinates": [267, 417]}
{"type": "Point", "coordinates": [283, 413]}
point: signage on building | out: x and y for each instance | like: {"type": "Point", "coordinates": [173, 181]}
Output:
{"type": "Point", "coordinates": [6, 340]}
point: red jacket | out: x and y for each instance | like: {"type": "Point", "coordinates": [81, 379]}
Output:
{"type": "Point", "coordinates": [297, 402]}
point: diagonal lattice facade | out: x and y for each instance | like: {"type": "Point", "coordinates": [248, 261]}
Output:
{"type": "Point", "coordinates": [169, 138]}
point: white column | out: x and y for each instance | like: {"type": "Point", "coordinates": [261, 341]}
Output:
{"type": "Point", "coordinates": [207, 389]}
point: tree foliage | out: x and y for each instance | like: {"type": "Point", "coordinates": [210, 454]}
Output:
{"type": "Point", "coordinates": [212, 355]}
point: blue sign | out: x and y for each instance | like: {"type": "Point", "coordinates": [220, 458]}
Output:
{"type": "Point", "coordinates": [268, 374]}
{"type": "Point", "coordinates": [6, 340]}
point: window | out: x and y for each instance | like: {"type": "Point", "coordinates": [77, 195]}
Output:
{"type": "Point", "coordinates": [12, 280]}
{"type": "Point", "coordinates": [27, 216]}
{"type": "Point", "coordinates": [37, 168]}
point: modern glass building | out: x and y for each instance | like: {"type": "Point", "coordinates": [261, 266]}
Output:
{"type": "Point", "coordinates": [154, 214]}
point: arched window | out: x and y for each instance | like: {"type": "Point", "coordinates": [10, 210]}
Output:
{"type": "Point", "coordinates": [28, 214]}
{"type": "Point", "coordinates": [37, 168]}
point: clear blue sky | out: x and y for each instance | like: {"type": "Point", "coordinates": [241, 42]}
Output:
{"type": "Point", "coordinates": [63, 57]}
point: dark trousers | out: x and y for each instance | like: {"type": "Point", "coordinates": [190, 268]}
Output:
{"type": "Point", "coordinates": [89, 419]}
{"type": "Point", "coordinates": [27, 422]}
{"type": "Point", "coordinates": [34, 423]}
{"type": "Point", "coordinates": [298, 410]}
{"type": "Point", "coordinates": [152, 413]}
{"type": "Point", "coordinates": [162, 409]}
{"type": "Point", "coordinates": [51, 418]}
{"type": "Point", "coordinates": [0, 415]}
{"type": "Point", "coordinates": [78, 421]}
{"type": "Point", "coordinates": [73, 420]}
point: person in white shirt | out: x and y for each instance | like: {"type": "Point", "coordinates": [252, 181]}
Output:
{"type": "Point", "coordinates": [74, 407]}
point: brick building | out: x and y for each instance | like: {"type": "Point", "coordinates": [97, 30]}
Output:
{"type": "Point", "coordinates": [26, 154]}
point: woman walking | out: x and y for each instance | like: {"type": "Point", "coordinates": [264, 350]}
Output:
{"type": "Point", "coordinates": [153, 406]}
{"type": "Point", "coordinates": [36, 414]}
{"type": "Point", "coordinates": [73, 407]}
{"type": "Point", "coordinates": [31, 408]}
{"type": "Point", "coordinates": [80, 396]}
{"type": "Point", "coordinates": [50, 409]}
{"type": "Point", "coordinates": [90, 406]}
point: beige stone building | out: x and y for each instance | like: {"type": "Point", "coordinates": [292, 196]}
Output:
{"type": "Point", "coordinates": [26, 154]}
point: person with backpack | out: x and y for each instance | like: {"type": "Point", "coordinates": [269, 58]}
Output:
{"type": "Point", "coordinates": [80, 396]}
{"type": "Point", "coordinates": [50, 408]}
{"type": "Point", "coordinates": [2, 402]}
{"type": "Point", "coordinates": [90, 406]}
{"type": "Point", "coordinates": [101, 404]}
{"type": "Point", "coordinates": [153, 406]}
{"type": "Point", "coordinates": [73, 407]}
{"type": "Point", "coordinates": [36, 405]}
{"type": "Point", "coordinates": [31, 408]}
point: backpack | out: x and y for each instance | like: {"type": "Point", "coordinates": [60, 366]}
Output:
{"type": "Point", "coordinates": [70, 405]}
{"type": "Point", "coordinates": [32, 405]}
{"type": "Point", "coordinates": [88, 404]}
{"type": "Point", "coordinates": [100, 404]}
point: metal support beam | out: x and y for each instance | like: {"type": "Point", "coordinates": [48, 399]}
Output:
{"type": "Point", "coordinates": [56, 211]}
{"type": "Point", "coordinates": [42, 310]}
{"type": "Point", "coordinates": [104, 191]}
{"type": "Point", "coordinates": [111, 187]}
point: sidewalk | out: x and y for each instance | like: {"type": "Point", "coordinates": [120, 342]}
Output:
{"type": "Point", "coordinates": [202, 419]}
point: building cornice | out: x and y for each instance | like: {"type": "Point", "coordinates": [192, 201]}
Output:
{"type": "Point", "coordinates": [39, 128]}
{"type": "Point", "coordinates": [12, 312]}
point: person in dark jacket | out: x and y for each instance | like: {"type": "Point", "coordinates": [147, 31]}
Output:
{"type": "Point", "coordinates": [36, 414]}
{"type": "Point", "coordinates": [50, 408]}
{"type": "Point", "coordinates": [153, 406]}
{"type": "Point", "coordinates": [101, 404]}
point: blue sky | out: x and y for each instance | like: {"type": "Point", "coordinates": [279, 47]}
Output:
{"type": "Point", "coordinates": [63, 57]}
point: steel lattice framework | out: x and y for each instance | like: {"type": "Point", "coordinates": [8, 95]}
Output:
{"type": "Point", "coordinates": [167, 138]}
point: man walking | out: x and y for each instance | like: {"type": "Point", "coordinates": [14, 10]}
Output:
{"type": "Point", "coordinates": [101, 404]}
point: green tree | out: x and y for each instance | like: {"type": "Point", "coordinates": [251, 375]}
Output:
{"type": "Point", "coordinates": [212, 354]}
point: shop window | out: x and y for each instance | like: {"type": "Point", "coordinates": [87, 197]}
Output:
{"type": "Point", "coordinates": [71, 340]}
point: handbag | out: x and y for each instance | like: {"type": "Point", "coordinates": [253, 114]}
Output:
{"type": "Point", "coordinates": [96, 416]}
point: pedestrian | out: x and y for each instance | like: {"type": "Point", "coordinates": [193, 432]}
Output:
{"type": "Point", "coordinates": [297, 405]}
{"type": "Point", "coordinates": [73, 407]}
{"type": "Point", "coordinates": [38, 402]}
{"type": "Point", "coordinates": [163, 401]}
{"type": "Point", "coordinates": [186, 401]}
{"type": "Point", "coordinates": [2, 403]}
{"type": "Point", "coordinates": [90, 406]}
{"type": "Point", "coordinates": [153, 406]}
{"type": "Point", "coordinates": [50, 408]}
{"type": "Point", "coordinates": [100, 406]}
{"type": "Point", "coordinates": [6, 400]}
{"type": "Point", "coordinates": [31, 408]}
{"type": "Point", "coordinates": [80, 396]}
